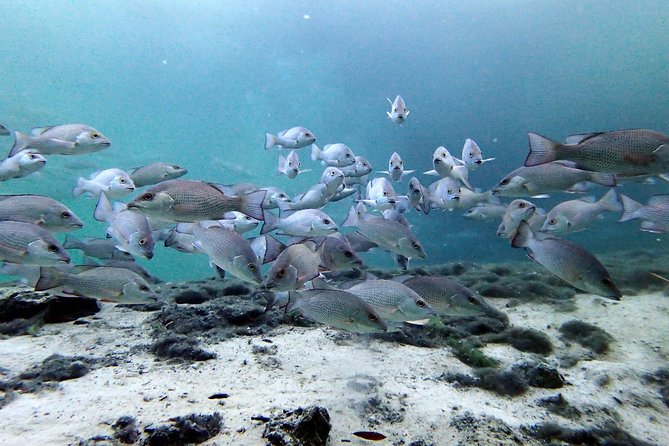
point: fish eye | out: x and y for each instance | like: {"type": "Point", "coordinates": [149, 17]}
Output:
{"type": "Point", "coordinates": [176, 167]}
{"type": "Point", "coordinates": [395, 110]}
{"type": "Point", "coordinates": [95, 135]}
{"type": "Point", "coordinates": [52, 248]}
{"type": "Point", "coordinates": [251, 267]}
{"type": "Point", "coordinates": [122, 181]}
{"type": "Point", "coordinates": [144, 288]}
{"type": "Point", "coordinates": [504, 181]}
{"type": "Point", "coordinates": [607, 281]}
{"type": "Point", "coordinates": [450, 191]}
{"type": "Point", "coordinates": [332, 173]}
{"type": "Point", "coordinates": [248, 218]}
{"type": "Point", "coordinates": [420, 303]}
{"type": "Point", "coordinates": [147, 197]}
{"type": "Point", "coordinates": [348, 155]}
{"type": "Point", "coordinates": [385, 194]}
{"type": "Point", "coordinates": [372, 317]}
{"type": "Point", "coordinates": [552, 221]}
{"type": "Point", "coordinates": [348, 254]}
{"type": "Point", "coordinates": [401, 163]}
{"type": "Point", "coordinates": [472, 300]}
{"type": "Point", "coordinates": [471, 155]}
{"type": "Point", "coordinates": [280, 274]}
{"type": "Point", "coordinates": [142, 242]}
{"type": "Point", "coordinates": [521, 205]}
{"type": "Point", "coordinates": [33, 156]}
{"type": "Point", "coordinates": [326, 221]}
{"type": "Point", "coordinates": [65, 215]}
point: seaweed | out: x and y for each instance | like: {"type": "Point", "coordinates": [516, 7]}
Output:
{"type": "Point", "coordinates": [587, 335]}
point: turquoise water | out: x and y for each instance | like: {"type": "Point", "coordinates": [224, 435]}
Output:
{"type": "Point", "coordinates": [199, 83]}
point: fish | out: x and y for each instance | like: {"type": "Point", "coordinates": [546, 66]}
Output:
{"type": "Point", "coordinates": [180, 238]}
{"type": "Point", "coordinates": [26, 243]}
{"type": "Point", "coordinates": [419, 196]}
{"type": "Point", "coordinates": [28, 274]}
{"type": "Point", "coordinates": [472, 157]}
{"type": "Point", "coordinates": [302, 223]}
{"type": "Point", "coordinates": [155, 173]}
{"type": "Point", "coordinates": [191, 201]}
{"type": "Point", "coordinates": [67, 139]}
{"type": "Point", "coordinates": [396, 168]}
{"type": "Point", "coordinates": [39, 210]}
{"type": "Point", "coordinates": [115, 183]}
{"type": "Point", "coordinates": [100, 248]}
{"type": "Point", "coordinates": [576, 215]}
{"type": "Point", "coordinates": [336, 308]}
{"type": "Point", "coordinates": [387, 234]}
{"type": "Point", "coordinates": [4, 131]}
{"type": "Point", "coordinates": [441, 162]}
{"type": "Point", "coordinates": [567, 261]}
{"type": "Point", "coordinates": [290, 165]}
{"type": "Point", "coordinates": [448, 297]}
{"type": "Point", "coordinates": [398, 110]}
{"type": "Point", "coordinates": [517, 211]}
{"type": "Point", "coordinates": [273, 197]}
{"type": "Point", "coordinates": [238, 222]}
{"type": "Point", "coordinates": [21, 164]}
{"type": "Point", "coordinates": [343, 193]}
{"type": "Point", "coordinates": [654, 215]}
{"type": "Point", "coordinates": [315, 197]}
{"type": "Point", "coordinates": [337, 253]}
{"type": "Point", "coordinates": [444, 193]}
{"type": "Point", "coordinates": [393, 301]}
{"type": "Point", "coordinates": [336, 155]}
{"type": "Point", "coordinates": [292, 138]}
{"type": "Point", "coordinates": [118, 285]}
{"type": "Point", "coordinates": [296, 264]}
{"type": "Point", "coordinates": [549, 177]}
{"type": "Point", "coordinates": [469, 198]}
{"type": "Point", "coordinates": [130, 229]}
{"type": "Point", "coordinates": [333, 178]}
{"type": "Point", "coordinates": [622, 152]}
{"type": "Point", "coordinates": [360, 168]}
{"type": "Point", "coordinates": [229, 251]}
{"type": "Point", "coordinates": [380, 194]}
{"type": "Point", "coordinates": [130, 265]}
{"type": "Point", "coordinates": [266, 248]}
{"type": "Point", "coordinates": [486, 211]}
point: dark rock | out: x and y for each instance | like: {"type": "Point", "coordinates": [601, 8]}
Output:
{"type": "Point", "coordinates": [236, 290]}
{"type": "Point", "coordinates": [190, 297]}
{"type": "Point", "coordinates": [125, 430]}
{"type": "Point", "coordinates": [377, 410]}
{"type": "Point", "coordinates": [218, 396]}
{"type": "Point", "coordinates": [243, 316]}
{"type": "Point", "coordinates": [540, 375]}
{"type": "Point", "coordinates": [587, 335]}
{"type": "Point", "coordinates": [609, 435]}
{"type": "Point", "coordinates": [558, 405]}
{"type": "Point", "coordinates": [482, 325]}
{"type": "Point", "coordinates": [504, 382]}
{"type": "Point", "coordinates": [301, 427]}
{"type": "Point", "coordinates": [661, 378]}
{"type": "Point", "coordinates": [61, 368]}
{"type": "Point", "coordinates": [524, 339]}
{"type": "Point", "coordinates": [180, 347]}
{"type": "Point", "coordinates": [194, 428]}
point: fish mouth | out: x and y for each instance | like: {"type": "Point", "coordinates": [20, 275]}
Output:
{"type": "Point", "coordinates": [494, 190]}
{"type": "Point", "coordinates": [455, 198]}
{"type": "Point", "coordinates": [396, 168]}
{"type": "Point", "coordinates": [478, 162]}
{"type": "Point", "coordinates": [437, 161]}
{"type": "Point", "coordinates": [148, 255]}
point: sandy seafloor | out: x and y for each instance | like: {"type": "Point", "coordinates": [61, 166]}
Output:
{"type": "Point", "coordinates": [366, 382]}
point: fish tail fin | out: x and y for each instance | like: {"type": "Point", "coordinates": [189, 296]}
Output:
{"type": "Point", "coordinates": [71, 242]}
{"type": "Point", "coordinates": [21, 142]}
{"type": "Point", "coordinates": [270, 141]}
{"type": "Point", "coordinates": [251, 204]}
{"type": "Point", "coordinates": [315, 152]}
{"type": "Point", "coordinates": [281, 168]}
{"type": "Point", "coordinates": [103, 209]}
{"type": "Point", "coordinates": [274, 248]}
{"type": "Point", "coordinates": [542, 150]}
{"type": "Point", "coordinates": [270, 222]}
{"type": "Point", "coordinates": [80, 187]}
{"type": "Point", "coordinates": [293, 298]}
{"type": "Point", "coordinates": [49, 278]}
{"type": "Point", "coordinates": [605, 179]}
{"type": "Point", "coordinates": [630, 208]}
{"type": "Point", "coordinates": [523, 235]}
{"type": "Point", "coordinates": [352, 219]}
{"type": "Point", "coordinates": [610, 201]}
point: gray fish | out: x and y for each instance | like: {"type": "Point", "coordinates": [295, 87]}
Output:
{"type": "Point", "coordinates": [472, 157]}
{"type": "Point", "coordinates": [115, 183]}
{"type": "Point", "coordinates": [392, 300]}
{"type": "Point", "coordinates": [398, 110]}
{"type": "Point", "coordinates": [486, 211]}
{"type": "Point", "coordinates": [273, 197]}
{"type": "Point", "coordinates": [333, 178]}
{"type": "Point", "coordinates": [380, 194]}
{"type": "Point", "coordinates": [448, 297]}
{"type": "Point", "coordinates": [336, 308]}
{"type": "Point", "coordinates": [293, 138]}
{"type": "Point", "coordinates": [4, 131]}
{"type": "Point", "coordinates": [28, 274]}
{"type": "Point", "coordinates": [39, 210]}
{"type": "Point", "coordinates": [127, 264]}
{"type": "Point", "coordinates": [576, 215]}
{"type": "Point", "coordinates": [192, 201]}
{"type": "Point", "coordinates": [100, 248]}
{"type": "Point", "coordinates": [419, 196]}
{"type": "Point", "coordinates": [155, 173]}
{"type": "Point", "coordinates": [387, 234]}
{"type": "Point", "coordinates": [336, 155]}
{"type": "Point", "coordinates": [360, 168]}
{"type": "Point", "coordinates": [21, 164]}
{"type": "Point", "coordinates": [654, 215]}
{"type": "Point", "coordinates": [316, 197]}
{"type": "Point", "coordinates": [27, 243]}
{"type": "Point", "coordinates": [302, 223]}
{"type": "Point", "coordinates": [266, 248]}
{"type": "Point", "coordinates": [290, 165]}
{"type": "Point", "coordinates": [238, 222]}
{"type": "Point", "coordinates": [519, 210]}
{"type": "Point", "coordinates": [130, 230]}
{"type": "Point", "coordinates": [296, 264]}
{"type": "Point", "coordinates": [106, 283]}
{"type": "Point", "coordinates": [568, 261]}
{"type": "Point", "coordinates": [229, 251]}
{"type": "Point", "coordinates": [68, 139]}
{"type": "Point", "coordinates": [470, 198]}
{"type": "Point", "coordinates": [623, 152]}
{"type": "Point", "coordinates": [549, 177]}
{"type": "Point", "coordinates": [444, 194]}
{"type": "Point", "coordinates": [396, 168]}
{"type": "Point", "coordinates": [337, 253]}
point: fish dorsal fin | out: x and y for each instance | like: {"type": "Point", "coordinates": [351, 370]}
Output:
{"type": "Point", "coordinates": [658, 200]}
{"type": "Point", "coordinates": [581, 137]}
{"type": "Point", "coordinates": [36, 131]}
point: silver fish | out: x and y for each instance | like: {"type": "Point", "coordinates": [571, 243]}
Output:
{"type": "Point", "coordinates": [27, 243]}
{"type": "Point", "coordinates": [448, 297]}
{"type": "Point", "coordinates": [396, 168]}
{"type": "Point", "coordinates": [568, 261]}
{"type": "Point", "coordinates": [106, 283]}
{"type": "Point", "coordinates": [550, 177]}
{"type": "Point", "coordinates": [130, 229]}
{"type": "Point", "coordinates": [21, 164]}
{"type": "Point", "coordinates": [68, 139]}
{"type": "Point", "coordinates": [392, 300]}
{"type": "Point", "coordinates": [398, 110]}
{"type": "Point", "coordinates": [472, 157]}
{"type": "Point", "coordinates": [469, 198]}
{"type": "Point", "coordinates": [155, 173]}
{"type": "Point", "coordinates": [266, 248]}
{"type": "Point", "coordinates": [293, 138]}
{"type": "Point", "coordinates": [486, 211]}
{"type": "Point", "coordinates": [336, 155]}
{"type": "Point", "coordinates": [623, 152]}
{"type": "Point", "coordinates": [316, 197]}
{"type": "Point", "coordinates": [132, 266]}
{"type": "Point", "coordinates": [576, 215]}
{"type": "Point", "coordinates": [238, 222]}
{"type": "Point", "coordinates": [360, 168]}
{"type": "Point", "coordinates": [290, 165]}
{"type": "Point", "coordinates": [441, 161]}
{"type": "Point", "coordinates": [336, 308]}
{"type": "Point", "coordinates": [100, 248]}
{"type": "Point", "coordinates": [518, 210]}
{"type": "Point", "coordinates": [444, 193]}
{"type": "Point", "coordinates": [229, 251]}
{"type": "Point", "coordinates": [387, 234]}
{"type": "Point", "coordinates": [116, 183]}
{"type": "Point", "coordinates": [273, 197]}
{"type": "Point", "coordinates": [191, 201]}
{"type": "Point", "coordinates": [380, 194]}
{"type": "Point", "coordinates": [296, 264]}
{"type": "Point", "coordinates": [302, 223]}
{"type": "Point", "coordinates": [654, 215]}
{"type": "Point", "coordinates": [333, 178]}
{"type": "Point", "coordinates": [337, 253]}
{"type": "Point", "coordinates": [418, 196]}
{"type": "Point", "coordinates": [39, 210]}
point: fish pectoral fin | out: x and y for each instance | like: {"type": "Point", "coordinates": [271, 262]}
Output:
{"type": "Point", "coordinates": [389, 115]}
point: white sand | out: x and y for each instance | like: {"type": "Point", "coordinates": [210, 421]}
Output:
{"type": "Point", "coordinates": [314, 369]}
